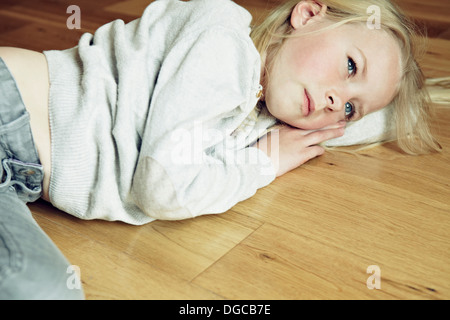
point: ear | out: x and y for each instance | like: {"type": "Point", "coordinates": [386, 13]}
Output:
{"type": "Point", "coordinates": [306, 11]}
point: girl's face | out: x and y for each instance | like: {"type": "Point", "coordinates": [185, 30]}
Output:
{"type": "Point", "coordinates": [340, 74]}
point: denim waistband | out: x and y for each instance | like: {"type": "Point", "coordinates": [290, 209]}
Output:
{"type": "Point", "coordinates": [20, 166]}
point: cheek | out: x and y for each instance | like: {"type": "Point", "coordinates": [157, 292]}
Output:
{"type": "Point", "coordinates": [316, 65]}
{"type": "Point", "coordinates": [318, 69]}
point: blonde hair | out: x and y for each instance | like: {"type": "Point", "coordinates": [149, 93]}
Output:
{"type": "Point", "coordinates": [412, 103]}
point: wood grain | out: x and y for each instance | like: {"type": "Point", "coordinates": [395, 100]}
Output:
{"type": "Point", "coordinates": [309, 235]}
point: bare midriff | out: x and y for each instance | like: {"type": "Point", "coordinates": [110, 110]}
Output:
{"type": "Point", "coordinates": [30, 71]}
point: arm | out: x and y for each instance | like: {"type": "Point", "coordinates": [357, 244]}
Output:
{"type": "Point", "coordinates": [181, 172]}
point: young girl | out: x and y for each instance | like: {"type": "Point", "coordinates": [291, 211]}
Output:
{"type": "Point", "coordinates": [165, 117]}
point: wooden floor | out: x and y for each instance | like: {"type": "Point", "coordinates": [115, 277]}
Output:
{"type": "Point", "coordinates": [312, 234]}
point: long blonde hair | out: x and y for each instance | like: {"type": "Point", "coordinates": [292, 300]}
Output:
{"type": "Point", "coordinates": [412, 103]}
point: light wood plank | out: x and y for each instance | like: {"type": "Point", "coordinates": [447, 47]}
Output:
{"type": "Point", "coordinates": [311, 234]}
{"type": "Point", "coordinates": [108, 273]}
{"type": "Point", "coordinates": [184, 248]}
{"type": "Point", "coordinates": [291, 266]}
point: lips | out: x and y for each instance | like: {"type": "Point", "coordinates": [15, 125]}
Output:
{"type": "Point", "coordinates": [308, 104]}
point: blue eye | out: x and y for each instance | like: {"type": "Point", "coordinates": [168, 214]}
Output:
{"type": "Point", "coordinates": [351, 66]}
{"type": "Point", "coordinates": [349, 110]}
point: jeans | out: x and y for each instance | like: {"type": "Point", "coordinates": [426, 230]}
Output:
{"type": "Point", "coordinates": [31, 266]}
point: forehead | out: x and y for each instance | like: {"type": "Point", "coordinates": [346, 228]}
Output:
{"type": "Point", "coordinates": [383, 63]}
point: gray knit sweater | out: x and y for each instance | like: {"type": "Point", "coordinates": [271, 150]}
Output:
{"type": "Point", "coordinates": [144, 115]}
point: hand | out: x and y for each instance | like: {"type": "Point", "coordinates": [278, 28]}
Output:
{"type": "Point", "coordinates": [290, 147]}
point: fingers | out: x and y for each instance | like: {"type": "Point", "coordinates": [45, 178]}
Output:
{"type": "Point", "coordinates": [317, 137]}
{"type": "Point", "coordinates": [287, 162]}
{"type": "Point", "coordinates": [340, 124]}
{"type": "Point", "coordinates": [312, 152]}
{"type": "Point", "coordinates": [293, 147]}
{"type": "Point", "coordinates": [306, 155]}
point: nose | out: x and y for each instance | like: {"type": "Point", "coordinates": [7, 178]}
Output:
{"type": "Point", "coordinates": [335, 101]}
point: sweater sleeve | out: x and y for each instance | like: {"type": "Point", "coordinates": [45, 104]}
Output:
{"type": "Point", "coordinates": [188, 164]}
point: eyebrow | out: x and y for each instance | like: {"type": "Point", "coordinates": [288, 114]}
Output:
{"type": "Point", "coordinates": [361, 110]}
{"type": "Point", "coordinates": [364, 71]}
